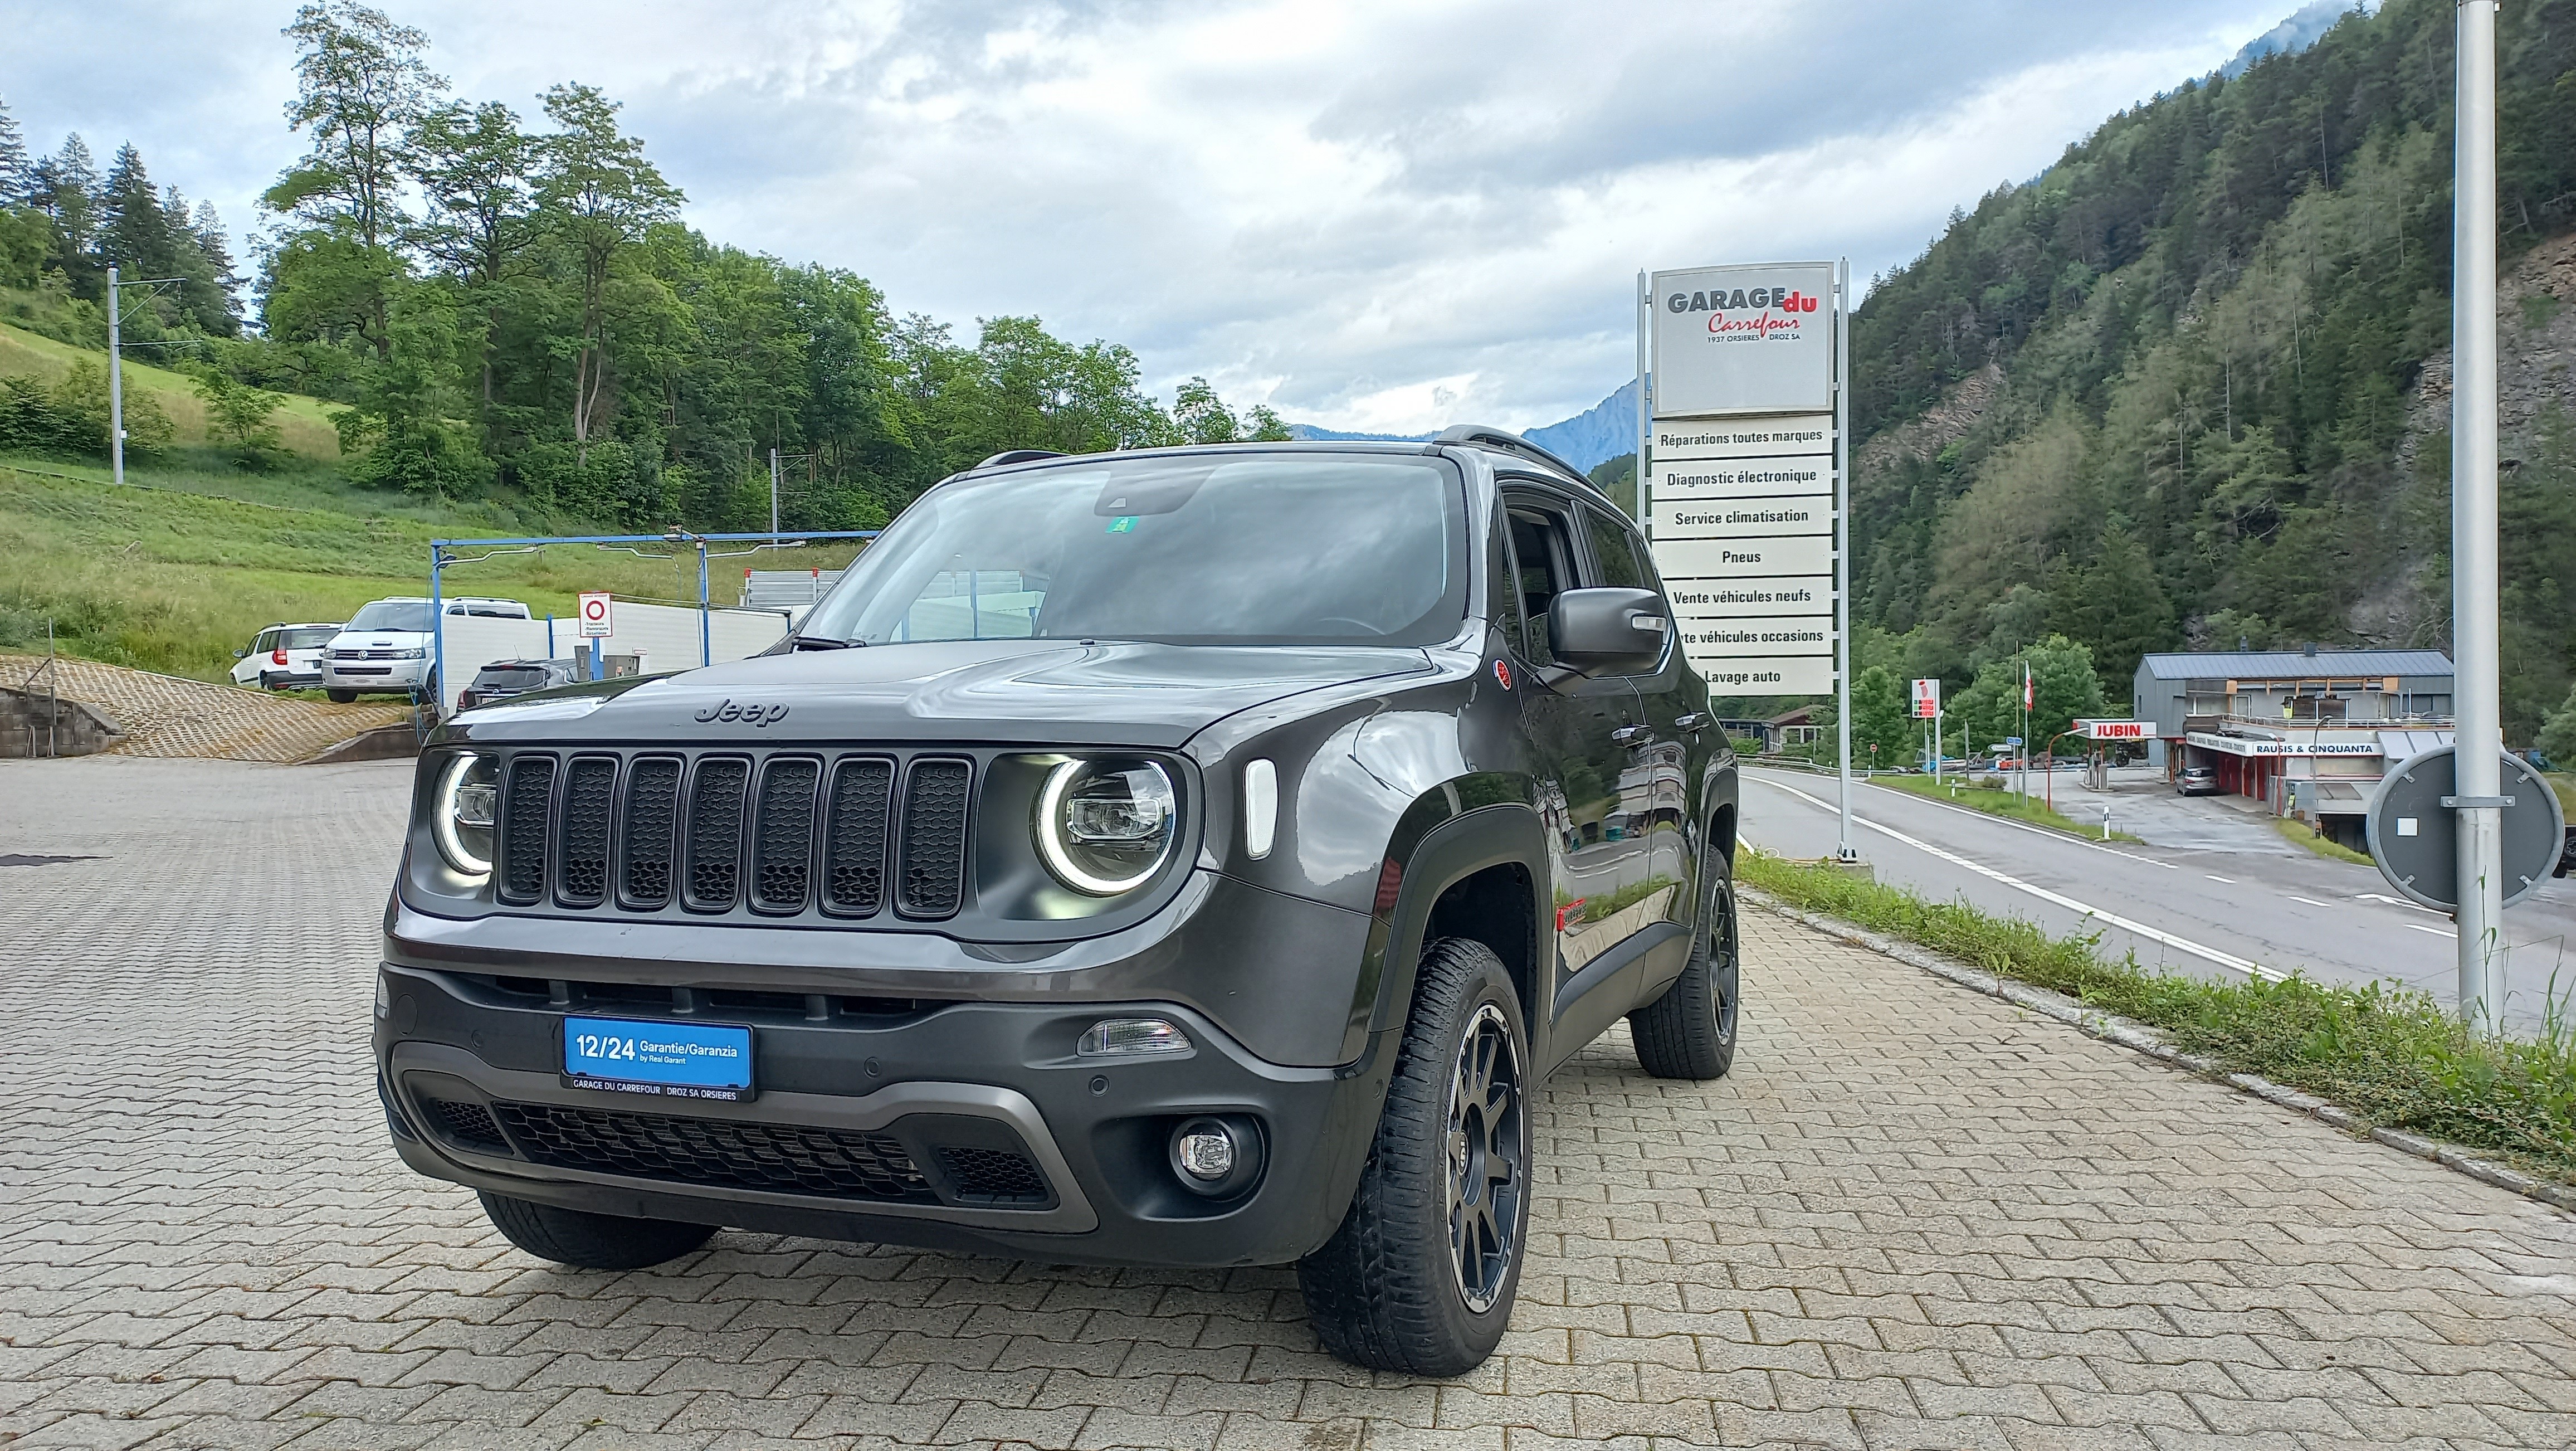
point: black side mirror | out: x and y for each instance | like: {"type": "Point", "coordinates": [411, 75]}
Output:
{"type": "Point", "coordinates": [1608, 631]}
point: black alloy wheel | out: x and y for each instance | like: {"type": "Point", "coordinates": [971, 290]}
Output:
{"type": "Point", "coordinates": [1421, 1275]}
{"type": "Point", "coordinates": [1488, 1158]}
{"type": "Point", "coordinates": [1689, 1032]}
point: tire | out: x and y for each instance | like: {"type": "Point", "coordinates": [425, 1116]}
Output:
{"type": "Point", "coordinates": [1689, 1032]}
{"type": "Point", "coordinates": [341, 697]}
{"type": "Point", "coordinates": [268, 682]}
{"type": "Point", "coordinates": [590, 1241]}
{"type": "Point", "coordinates": [1388, 1290]}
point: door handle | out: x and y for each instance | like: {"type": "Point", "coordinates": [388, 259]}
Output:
{"type": "Point", "coordinates": [1631, 735]}
{"type": "Point", "coordinates": [1691, 724]}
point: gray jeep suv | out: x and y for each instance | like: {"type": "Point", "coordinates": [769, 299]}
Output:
{"type": "Point", "coordinates": [1182, 857]}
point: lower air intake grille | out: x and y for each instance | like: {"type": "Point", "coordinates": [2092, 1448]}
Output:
{"type": "Point", "coordinates": [993, 1176]}
{"type": "Point", "coordinates": [715, 831]}
{"type": "Point", "coordinates": [469, 1124]}
{"type": "Point", "coordinates": [782, 1158]}
{"type": "Point", "coordinates": [934, 838]}
{"type": "Point", "coordinates": [527, 797]}
{"type": "Point", "coordinates": [590, 788]}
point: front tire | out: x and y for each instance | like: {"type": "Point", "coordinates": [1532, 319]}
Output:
{"type": "Point", "coordinates": [341, 697]}
{"type": "Point", "coordinates": [1689, 1032]}
{"type": "Point", "coordinates": [1421, 1275]}
{"type": "Point", "coordinates": [590, 1241]}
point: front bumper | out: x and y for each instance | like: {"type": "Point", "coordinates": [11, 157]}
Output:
{"type": "Point", "coordinates": [969, 1126]}
{"type": "Point", "coordinates": [373, 675]}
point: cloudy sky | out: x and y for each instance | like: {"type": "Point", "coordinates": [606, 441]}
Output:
{"type": "Point", "coordinates": [1390, 215]}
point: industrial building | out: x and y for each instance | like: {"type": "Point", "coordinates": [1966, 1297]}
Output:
{"type": "Point", "coordinates": [2307, 732]}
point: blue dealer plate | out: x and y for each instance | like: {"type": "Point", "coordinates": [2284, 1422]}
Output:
{"type": "Point", "coordinates": [676, 1060]}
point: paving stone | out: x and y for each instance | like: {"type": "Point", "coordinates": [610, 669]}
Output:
{"type": "Point", "coordinates": [1912, 1217]}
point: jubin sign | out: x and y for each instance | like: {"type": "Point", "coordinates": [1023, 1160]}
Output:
{"type": "Point", "coordinates": [1741, 490]}
{"type": "Point", "coordinates": [2117, 730]}
{"type": "Point", "coordinates": [594, 615]}
{"type": "Point", "coordinates": [1927, 699]}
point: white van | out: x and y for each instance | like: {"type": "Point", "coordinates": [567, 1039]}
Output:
{"type": "Point", "coordinates": [384, 649]}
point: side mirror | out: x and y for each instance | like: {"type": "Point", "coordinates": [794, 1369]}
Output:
{"type": "Point", "coordinates": [241, 654]}
{"type": "Point", "coordinates": [1608, 631]}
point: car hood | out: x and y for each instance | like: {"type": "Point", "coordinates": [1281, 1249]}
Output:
{"type": "Point", "coordinates": [965, 691]}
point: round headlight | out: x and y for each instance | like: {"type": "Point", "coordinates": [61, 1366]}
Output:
{"type": "Point", "coordinates": [461, 813]}
{"type": "Point", "coordinates": [1104, 827]}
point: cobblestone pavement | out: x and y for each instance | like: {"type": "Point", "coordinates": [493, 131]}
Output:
{"type": "Point", "coordinates": [167, 715]}
{"type": "Point", "coordinates": [1911, 1218]}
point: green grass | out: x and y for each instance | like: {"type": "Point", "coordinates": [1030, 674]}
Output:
{"type": "Point", "coordinates": [2391, 1057]}
{"type": "Point", "coordinates": [2306, 836]}
{"type": "Point", "coordinates": [182, 567]}
{"type": "Point", "coordinates": [2565, 786]}
{"type": "Point", "coordinates": [303, 424]}
{"type": "Point", "coordinates": [1997, 803]}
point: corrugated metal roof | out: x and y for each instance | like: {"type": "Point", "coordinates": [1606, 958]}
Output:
{"type": "Point", "coordinates": [2294, 664]}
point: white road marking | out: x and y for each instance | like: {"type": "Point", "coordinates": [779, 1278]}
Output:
{"type": "Point", "coordinates": [2329, 906]}
{"type": "Point", "coordinates": [2436, 931]}
{"type": "Point", "coordinates": [2396, 902]}
{"type": "Point", "coordinates": [2213, 876]}
{"type": "Point", "coordinates": [2015, 825]}
{"type": "Point", "coordinates": [2227, 960]}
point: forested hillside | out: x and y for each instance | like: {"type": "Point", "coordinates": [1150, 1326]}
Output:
{"type": "Point", "coordinates": [509, 306]}
{"type": "Point", "coordinates": [2189, 385]}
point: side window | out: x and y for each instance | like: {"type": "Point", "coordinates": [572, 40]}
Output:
{"type": "Point", "coordinates": [1616, 550]}
{"type": "Point", "coordinates": [1543, 568]}
{"type": "Point", "coordinates": [1503, 606]}
{"type": "Point", "coordinates": [266, 642]}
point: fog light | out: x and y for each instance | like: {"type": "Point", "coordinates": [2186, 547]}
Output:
{"type": "Point", "coordinates": [1132, 1037]}
{"type": "Point", "coordinates": [1206, 1151]}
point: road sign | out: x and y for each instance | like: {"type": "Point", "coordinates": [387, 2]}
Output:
{"type": "Point", "coordinates": [2414, 834]}
{"type": "Point", "coordinates": [1927, 699]}
{"type": "Point", "coordinates": [594, 615]}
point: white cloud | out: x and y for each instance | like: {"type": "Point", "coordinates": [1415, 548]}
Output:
{"type": "Point", "coordinates": [1379, 216]}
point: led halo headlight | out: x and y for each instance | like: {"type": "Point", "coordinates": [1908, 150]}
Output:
{"type": "Point", "coordinates": [1105, 826]}
{"type": "Point", "coordinates": [461, 812]}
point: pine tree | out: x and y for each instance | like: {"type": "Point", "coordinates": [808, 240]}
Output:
{"type": "Point", "coordinates": [134, 233]}
{"type": "Point", "coordinates": [67, 191]}
{"type": "Point", "coordinates": [17, 174]}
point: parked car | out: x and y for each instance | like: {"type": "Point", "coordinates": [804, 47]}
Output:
{"type": "Point", "coordinates": [503, 679]}
{"type": "Point", "coordinates": [284, 657]}
{"type": "Point", "coordinates": [385, 647]}
{"type": "Point", "coordinates": [1207, 918]}
{"type": "Point", "coordinates": [2197, 781]}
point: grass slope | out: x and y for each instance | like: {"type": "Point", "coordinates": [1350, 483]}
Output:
{"type": "Point", "coordinates": [303, 424]}
{"type": "Point", "coordinates": [1998, 803]}
{"type": "Point", "coordinates": [184, 565]}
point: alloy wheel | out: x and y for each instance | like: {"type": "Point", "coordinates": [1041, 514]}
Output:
{"type": "Point", "coordinates": [1488, 1153]}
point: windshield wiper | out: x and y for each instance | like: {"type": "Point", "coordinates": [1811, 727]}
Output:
{"type": "Point", "coordinates": [825, 642]}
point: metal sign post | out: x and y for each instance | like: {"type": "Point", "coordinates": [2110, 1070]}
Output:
{"type": "Point", "coordinates": [1744, 458]}
{"type": "Point", "coordinates": [2473, 525]}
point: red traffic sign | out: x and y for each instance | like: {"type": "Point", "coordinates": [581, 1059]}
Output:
{"type": "Point", "coordinates": [595, 624]}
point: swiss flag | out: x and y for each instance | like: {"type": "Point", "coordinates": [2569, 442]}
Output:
{"type": "Point", "coordinates": [2027, 699]}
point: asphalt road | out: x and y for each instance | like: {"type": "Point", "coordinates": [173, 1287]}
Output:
{"type": "Point", "coordinates": [2213, 890]}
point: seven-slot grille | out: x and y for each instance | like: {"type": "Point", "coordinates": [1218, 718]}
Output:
{"type": "Point", "coordinates": [779, 834]}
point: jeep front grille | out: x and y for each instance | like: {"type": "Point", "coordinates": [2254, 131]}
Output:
{"type": "Point", "coordinates": [780, 834]}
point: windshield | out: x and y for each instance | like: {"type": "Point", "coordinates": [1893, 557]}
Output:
{"type": "Point", "coordinates": [1270, 548]}
{"type": "Point", "coordinates": [410, 615]}
{"type": "Point", "coordinates": [515, 677]}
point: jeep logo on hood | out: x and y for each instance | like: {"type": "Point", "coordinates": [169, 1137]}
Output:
{"type": "Point", "coordinates": [759, 715]}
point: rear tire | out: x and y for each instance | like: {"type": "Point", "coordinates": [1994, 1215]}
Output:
{"type": "Point", "coordinates": [1421, 1275]}
{"type": "Point", "coordinates": [341, 697]}
{"type": "Point", "coordinates": [1689, 1032]}
{"type": "Point", "coordinates": [590, 1241]}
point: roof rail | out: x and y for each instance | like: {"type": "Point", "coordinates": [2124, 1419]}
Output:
{"type": "Point", "coordinates": [1018, 456]}
{"type": "Point", "coordinates": [1508, 442]}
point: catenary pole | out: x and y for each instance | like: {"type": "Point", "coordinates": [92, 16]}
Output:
{"type": "Point", "coordinates": [773, 493]}
{"type": "Point", "coordinates": [115, 386]}
{"type": "Point", "coordinates": [1645, 411]}
{"type": "Point", "coordinates": [2473, 524]}
{"type": "Point", "coordinates": [1842, 546]}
